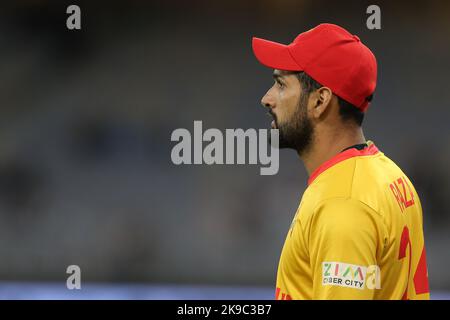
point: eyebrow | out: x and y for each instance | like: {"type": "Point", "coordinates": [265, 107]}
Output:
{"type": "Point", "coordinates": [277, 76]}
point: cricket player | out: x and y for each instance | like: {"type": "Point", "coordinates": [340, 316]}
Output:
{"type": "Point", "coordinates": [358, 230]}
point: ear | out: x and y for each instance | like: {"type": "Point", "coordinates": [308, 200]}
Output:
{"type": "Point", "coordinates": [321, 101]}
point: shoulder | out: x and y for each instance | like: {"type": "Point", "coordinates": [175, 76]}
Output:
{"type": "Point", "coordinates": [345, 223]}
{"type": "Point", "coordinates": [362, 179]}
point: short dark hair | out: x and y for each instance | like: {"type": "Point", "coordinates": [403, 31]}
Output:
{"type": "Point", "coordinates": [347, 111]}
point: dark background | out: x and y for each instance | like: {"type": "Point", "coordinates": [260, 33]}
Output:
{"type": "Point", "coordinates": [86, 117]}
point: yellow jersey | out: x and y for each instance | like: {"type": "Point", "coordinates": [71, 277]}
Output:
{"type": "Point", "coordinates": [357, 233]}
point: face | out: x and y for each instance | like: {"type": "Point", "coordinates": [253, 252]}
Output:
{"type": "Point", "coordinates": [289, 108]}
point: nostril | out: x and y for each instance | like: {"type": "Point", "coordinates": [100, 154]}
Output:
{"type": "Point", "coordinates": [266, 104]}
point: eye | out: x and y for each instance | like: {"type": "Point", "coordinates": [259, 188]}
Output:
{"type": "Point", "coordinates": [279, 84]}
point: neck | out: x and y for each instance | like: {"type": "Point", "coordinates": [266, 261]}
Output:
{"type": "Point", "coordinates": [324, 147]}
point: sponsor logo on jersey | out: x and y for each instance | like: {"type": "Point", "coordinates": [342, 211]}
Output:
{"type": "Point", "coordinates": [351, 276]}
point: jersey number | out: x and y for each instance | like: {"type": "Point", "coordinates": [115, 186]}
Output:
{"type": "Point", "coordinates": [421, 274]}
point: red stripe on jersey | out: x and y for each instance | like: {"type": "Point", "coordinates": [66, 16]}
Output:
{"type": "Point", "coordinates": [347, 154]}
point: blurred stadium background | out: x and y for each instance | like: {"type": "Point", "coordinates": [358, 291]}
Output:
{"type": "Point", "coordinates": [86, 117]}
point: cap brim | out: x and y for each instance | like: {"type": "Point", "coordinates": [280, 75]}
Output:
{"type": "Point", "coordinates": [274, 55]}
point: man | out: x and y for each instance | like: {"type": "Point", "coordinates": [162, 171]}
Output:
{"type": "Point", "coordinates": [357, 233]}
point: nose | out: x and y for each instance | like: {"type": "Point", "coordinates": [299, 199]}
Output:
{"type": "Point", "coordinates": [267, 101]}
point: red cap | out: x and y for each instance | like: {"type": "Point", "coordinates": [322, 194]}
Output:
{"type": "Point", "coordinates": [330, 55]}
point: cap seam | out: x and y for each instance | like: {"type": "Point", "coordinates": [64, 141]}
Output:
{"type": "Point", "coordinates": [349, 75]}
{"type": "Point", "coordinates": [293, 59]}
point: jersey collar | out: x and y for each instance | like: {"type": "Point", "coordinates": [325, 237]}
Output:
{"type": "Point", "coordinates": [371, 149]}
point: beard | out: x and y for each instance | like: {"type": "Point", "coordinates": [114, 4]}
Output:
{"type": "Point", "coordinates": [296, 133]}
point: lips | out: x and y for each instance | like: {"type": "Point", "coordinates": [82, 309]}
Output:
{"type": "Point", "coordinates": [273, 124]}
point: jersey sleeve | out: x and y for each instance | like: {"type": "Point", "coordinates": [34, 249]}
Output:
{"type": "Point", "coordinates": [344, 240]}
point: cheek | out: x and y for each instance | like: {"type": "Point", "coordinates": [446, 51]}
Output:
{"type": "Point", "coordinates": [290, 101]}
